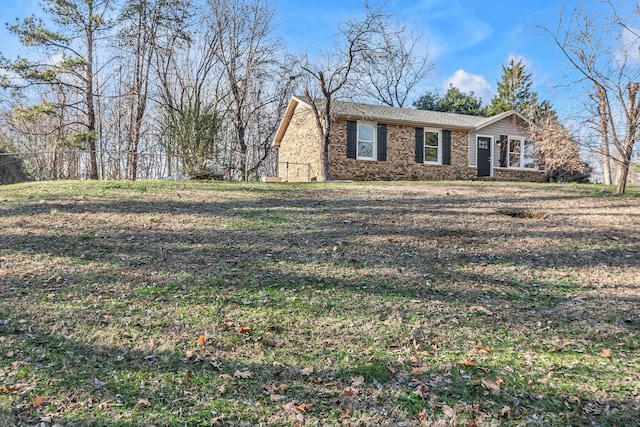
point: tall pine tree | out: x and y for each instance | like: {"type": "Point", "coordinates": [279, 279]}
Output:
{"type": "Point", "coordinates": [70, 63]}
{"type": "Point", "coordinates": [514, 92]}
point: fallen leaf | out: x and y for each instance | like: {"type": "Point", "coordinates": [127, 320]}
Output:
{"type": "Point", "coordinates": [222, 389]}
{"type": "Point", "coordinates": [202, 340]}
{"type": "Point", "coordinates": [491, 385]}
{"type": "Point", "coordinates": [190, 354]}
{"type": "Point", "coordinates": [606, 353]}
{"type": "Point", "coordinates": [418, 370]}
{"type": "Point", "coordinates": [562, 346]}
{"type": "Point", "coordinates": [144, 402]}
{"type": "Point", "coordinates": [277, 374]}
{"type": "Point", "coordinates": [297, 409]}
{"type": "Point", "coordinates": [574, 400]}
{"type": "Point", "coordinates": [307, 371]}
{"type": "Point", "coordinates": [38, 402]}
{"type": "Point", "coordinates": [421, 389]}
{"type": "Point", "coordinates": [317, 380]}
{"type": "Point", "coordinates": [349, 392]}
{"type": "Point", "coordinates": [245, 330]}
{"type": "Point", "coordinates": [242, 374]}
{"type": "Point", "coordinates": [356, 381]}
{"type": "Point", "coordinates": [422, 416]}
{"type": "Point", "coordinates": [330, 341]}
{"type": "Point", "coordinates": [448, 411]}
{"type": "Point", "coordinates": [187, 375]}
{"type": "Point", "coordinates": [484, 350]}
{"type": "Point", "coordinates": [346, 414]}
{"type": "Point", "coordinates": [226, 376]}
{"type": "Point", "coordinates": [276, 397]}
{"type": "Point", "coordinates": [217, 420]}
{"type": "Point", "coordinates": [505, 412]}
{"type": "Point", "coordinates": [467, 362]}
{"type": "Point", "coordinates": [482, 310]}
{"type": "Point", "coordinates": [472, 423]}
{"type": "Point", "coordinates": [325, 392]}
{"type": "Point", "coordinates": [391, 369]}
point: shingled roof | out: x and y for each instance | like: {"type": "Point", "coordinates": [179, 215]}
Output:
{"type": "Point", "coordinates": [406, 116]}
{"type": "Point", "coordinates": [380, 113]}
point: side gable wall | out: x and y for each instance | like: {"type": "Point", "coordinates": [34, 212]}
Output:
{"type": "Point", "coordinates": [400, 163]}
{"type": "Point", "coordinates": [300, 154]}
{"type": "Point", "coordinates": [510, 126]}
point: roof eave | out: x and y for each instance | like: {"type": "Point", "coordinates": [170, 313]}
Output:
{"type": "Point", "coordinates": [493, 119]}
{"type": "Point", "coordinates": [286, 119]}
{"type": "Point", "coordinates": [403, 122]}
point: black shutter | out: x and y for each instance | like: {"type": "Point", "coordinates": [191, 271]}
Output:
{"type": "Point", "coordinates": [504, 150]}
{"type": "Point", "coordinates": [446, 147]}
{"type": "Point", "coordinates": [352, 136]}
{"type": "Point", "coordinates": [382, 142]}
{"type": "Point", "coordinates": [419, 145]}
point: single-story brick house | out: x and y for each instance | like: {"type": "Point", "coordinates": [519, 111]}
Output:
{"type": "Point", "coordinates": [373, 142]}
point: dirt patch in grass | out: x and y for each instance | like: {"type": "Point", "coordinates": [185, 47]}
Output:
{"type": "Point", "coordinates": [328, 304]}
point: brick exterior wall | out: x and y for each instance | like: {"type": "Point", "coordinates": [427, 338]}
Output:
{"type": "Point", "coordinates": [300, 153]}
{"type": "Point", "coordinates": [400, 163]}
{"type": "Point", "coordinates": [300, 156]}
{"type": "Point", "coordinates": [500, 174]}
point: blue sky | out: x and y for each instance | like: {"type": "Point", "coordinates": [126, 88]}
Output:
{"type": "Point", "coordinates": [469, 40]}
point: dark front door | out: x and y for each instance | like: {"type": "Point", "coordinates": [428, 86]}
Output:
{"type": "Point", "coordinates": [484, 156]}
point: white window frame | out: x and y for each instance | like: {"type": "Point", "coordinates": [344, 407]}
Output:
{"type": "Point", "coordinates": [424, 147]}
{"type": "Point", "coordinates": [533, 154]}
{"type": "Point", "coordinates": [375, 141]}
{"type": "Point", "coordinates": [523, 140]}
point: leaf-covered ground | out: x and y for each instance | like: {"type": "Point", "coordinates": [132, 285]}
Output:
{"type": "Point", "coordinates": [467, 304]}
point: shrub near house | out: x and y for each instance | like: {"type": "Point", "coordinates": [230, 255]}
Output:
{"type": "Point", "coordinates": [371, 142]}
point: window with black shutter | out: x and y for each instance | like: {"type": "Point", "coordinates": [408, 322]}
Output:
{"type": "Point", "coordinates": [419, 145]}
{"type": "Point", "coordinates": [446, 147]}
{"type": "Point", "coordinates": [352, 137]}
{"type": "Point", "coordinates": [382, 142]}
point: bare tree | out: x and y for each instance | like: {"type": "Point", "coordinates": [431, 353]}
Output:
{"type": "Point", "coordinates": [389, 74]}
{"type": "Point", "coordinates": [603, 49]}
{"type": "Point", "coordinates": [189, 94]}
{"type": "Point", "coordinates": [248, 51]}
{"type": "Point", "coordinates": [325, 79]}
{"type": "Point", "coordinates": [558, 150]}
{"type": "Point", "coordinates": [147, 24]}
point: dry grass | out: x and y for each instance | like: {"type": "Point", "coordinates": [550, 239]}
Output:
{"type": "Point", "coordinates": [362, 304]}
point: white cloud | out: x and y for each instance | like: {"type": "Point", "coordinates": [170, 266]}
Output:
{"type": "Point", "coordinates": [629, 47]}
{"type": "Point", "coordinates": [528, 63]}
{"type": "Point", "coordinates": [468, 82]}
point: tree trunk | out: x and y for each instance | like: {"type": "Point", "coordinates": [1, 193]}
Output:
{"type": "Point", "coordinates": [91, 111]}
{"type": "Point", "coordinates": [604, 133]}
{"type": "Point", "coordinates": [624, 174]}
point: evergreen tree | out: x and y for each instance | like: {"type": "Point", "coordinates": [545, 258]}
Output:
{"type": "Point", "coordinates": [514, 92]}
{"type": "Point", "coordinates": [70, 66]}
{"type": "Point", "coordinates": [454, 101]}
